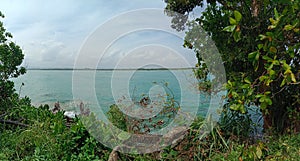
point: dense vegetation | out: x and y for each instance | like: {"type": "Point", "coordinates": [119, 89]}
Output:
{"type": "Point", "coordinates": [49, 136]}
{"type": "Point", "coordinates": [261, 46]}
{"type": "Point", "coordinates": [259, 42]}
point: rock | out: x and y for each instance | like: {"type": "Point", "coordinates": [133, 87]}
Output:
{"type": "Point", "coordinates": [56, 108]}
{"type": "Point", "coordinates": [70, 114]}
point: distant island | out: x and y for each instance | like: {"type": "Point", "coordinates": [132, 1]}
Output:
{"type": "Point", "coordinates": [107, 69]}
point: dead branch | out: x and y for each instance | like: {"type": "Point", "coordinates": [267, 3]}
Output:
{"type": "Point", "coordinates": [13, 123]}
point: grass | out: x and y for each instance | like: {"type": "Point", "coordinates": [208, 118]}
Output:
{"type": "Point", "coordinates": [48, 138]}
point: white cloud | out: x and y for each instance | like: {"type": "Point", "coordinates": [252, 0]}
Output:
{"type": "Point", "coordinates": [52, 32]}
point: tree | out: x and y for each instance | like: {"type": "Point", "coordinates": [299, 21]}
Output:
{"type": "Point", "coordinates": [11, 58]}
{"type": "Point", "coordinates": [259, 42]}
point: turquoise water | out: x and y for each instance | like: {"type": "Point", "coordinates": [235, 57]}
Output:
{"type": "Point", "coordinates": [109, 87]}
{"type": "Point", "coordinates": [46, 86]}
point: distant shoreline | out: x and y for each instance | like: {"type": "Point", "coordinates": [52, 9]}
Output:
{"type": "Point", "coordinates": [107, 69]}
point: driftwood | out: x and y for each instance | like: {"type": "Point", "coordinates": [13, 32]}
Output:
{"type": "Point", "coordinates": [13, 123]}
{"type": "Point", "coordinates": [173, 138]}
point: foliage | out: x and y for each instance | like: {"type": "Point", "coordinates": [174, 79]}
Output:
{"type": "Point", "coordinates": [213, 146]}
{"type": "Point", "coordinates": [48, 137]}
{"type": "Point", "coordinates": [259, 45]}
{"type": "Point", "coordinates": [282, 148]}
{"type": "Point", "coordinates": [235, 123]}
{"type": "Point", "coordinates": [11, 57]}
{"type": "Point", "coordinates": [117, 117]}
{"type": "Point", "coordinates": [182, 9]}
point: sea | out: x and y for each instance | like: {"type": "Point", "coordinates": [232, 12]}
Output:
{"type": "Point", "coordinates": [103, 88]}
{"type": "Point", "coordinates": [98, 90]}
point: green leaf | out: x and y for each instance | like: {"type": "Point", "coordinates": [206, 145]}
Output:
{"type": "Point", "coordinates": [257, 56]}
{"type": "Point", "coordinates": [293, 77]}
{"type": "Point", "coordinates": [259, 95]}
{"type": "Point", "coordinates": [252, 55]}
{"type": "Point", "coordinates": [276, 14]}
{"type": "Point", "coordinates": [283, 82]}
{"type": "Point", "coordinates": [237, 15]}
{"type": "Point", "coordinates": [263, 78]}
{"type": "Point", "coordinates": [270, 34]}
{"type": "Point", "coordinates": [247, 81]}
{"type": "Point", "coordinates": [273, 49]}
{"type": "Point", "coordinates": [232, 21]}
{"type": "Point", "coordinates": [286, 66]}
{"type": "Point", "coordinates": [272, 21]}
{"type": "Point", "coordinates": [267, 93]}
{"type": "Point", "coordinates": [268, 101]}
{"type": "Point", "coordinates": [262, 37]}
{"type": "Point", "coordinates": [288, 27]}
{"type": "Point", "coordinates": [262, 99]}
{"type": "Point", "coordinates": [245, 86]}
{"type": "Point", "coordinates": [235, 95]}
{"type": "Point", "coordinates": [268, 82]}
{"type": "Point", "coordinates": [258, 152]}
{"type": "Point", "coordinates": [234, 107]}
{"type": "Point", "coordinates": [265, 57]}
{"type": "Point", "coordinates": [272, 73]}
{"type": "Point", "coordinates": [260, 46]}
{"type": "Point", "coordinates": [229, 28]}
{"type": "Point", "coordinates": [242, 109]}
{"type": "Point", "coordinates": [263, 106]}
{"type": "Point", "coordinates": [270, 67]}
{"type": "Point", "coordinates": [276, 62]}
{"type": "Point", "coordinates": [288, 71]}
{"type": "Point", "coordinates": [237, 36]}
{"type": "Point", "coordinates": [229, 83]}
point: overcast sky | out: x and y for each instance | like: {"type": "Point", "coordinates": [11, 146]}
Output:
{"type": "Point", "coordinates": [53, 33]}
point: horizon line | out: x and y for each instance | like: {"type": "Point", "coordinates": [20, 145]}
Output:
{"type": "Point", "coordinates": [110, 68]}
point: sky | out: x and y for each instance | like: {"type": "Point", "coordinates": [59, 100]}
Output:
{"type": "Point", "coordinates": [94, 34]}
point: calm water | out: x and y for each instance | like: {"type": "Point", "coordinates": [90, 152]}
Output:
{"type": "Point", "coordinates": [102, 88]}
{"type": "Point", "coordinates": [109, 87]}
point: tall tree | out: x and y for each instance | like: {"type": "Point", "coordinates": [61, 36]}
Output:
{"type": "Point", "coordinates": [11, 58]}
{"type": "Point", "coordinates": [259, 42]}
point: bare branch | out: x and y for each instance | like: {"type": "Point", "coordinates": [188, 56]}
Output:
{"type": "Point", "coordinates": [13, 123]}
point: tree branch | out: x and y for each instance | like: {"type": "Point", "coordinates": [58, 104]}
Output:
{"type": "Point", "coordinates": [223, 3]}
{"type": "Point", "coordinates": [13, 123]}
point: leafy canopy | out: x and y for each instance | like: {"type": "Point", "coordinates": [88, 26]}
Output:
{"type": "Point", "coordinates": [259, 44]}
{"type": "Point", "coordinates": [11, 58]}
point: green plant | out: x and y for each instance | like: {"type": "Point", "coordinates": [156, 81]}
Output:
{"type": "Point", "coordinates": [258, 42]}
{"type": "Point", "coordinates": [117, 117]}
{"type": "Point", "coordinates": [48, 138]}
{"type": "Point", "coordinates": [11, 57]}
{"type": "Point", "coordinates": [278, 148]}
{"type": "Point", "coordinates": [235, 123]}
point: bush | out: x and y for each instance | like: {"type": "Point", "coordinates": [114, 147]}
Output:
{"type": "Point", "coordinates": [48, 138]}
{"type": "Point", "coordinates": [277, 148]}
{"type": "Point", "coordinates": [117, 117]}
